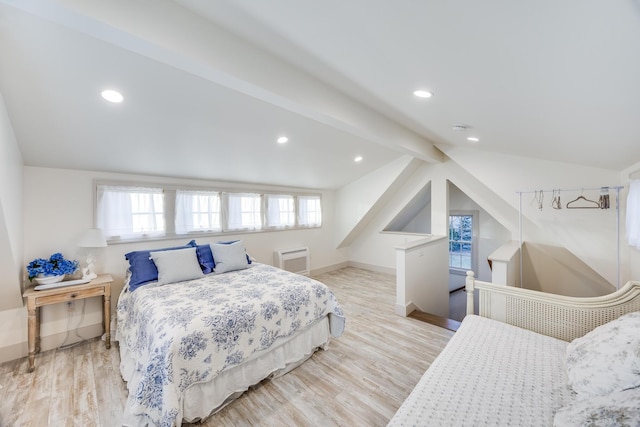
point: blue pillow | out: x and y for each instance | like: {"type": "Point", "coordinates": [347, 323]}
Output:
{"type": "Point", "coordinates": [142, 268]}
{"type": "Point", "coordinates": [205, 258]}
{"type": "Point", "coordinates": [228, 243]}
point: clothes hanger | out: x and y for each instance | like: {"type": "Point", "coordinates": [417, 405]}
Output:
{"type": "Point", "coordinates": [592, 203]}
{"type": "Point", "coordinates": [556, 203]}
{"type": "Point", "coordinates": [604, 198]}
{"type": "Point", "coordinates": [538, 198]}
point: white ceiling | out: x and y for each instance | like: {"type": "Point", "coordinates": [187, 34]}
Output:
{"type": "Point", "coordinates": [210, 85]}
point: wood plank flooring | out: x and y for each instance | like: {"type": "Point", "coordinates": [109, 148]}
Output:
{"type": "Point", "coordinates": [361, 379]}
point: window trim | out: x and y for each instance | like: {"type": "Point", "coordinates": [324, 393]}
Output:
{"type": "Point", "coordinates": [474, 240]}
{"type": "Point", "coordinates": [170, 202]}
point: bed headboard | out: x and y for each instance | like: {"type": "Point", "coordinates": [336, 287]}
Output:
{"type": "Point", "coordinates": [557, 316]}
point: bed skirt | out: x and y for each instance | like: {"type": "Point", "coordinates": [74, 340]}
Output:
{"type": "Point", "coordinates": [204, 399]}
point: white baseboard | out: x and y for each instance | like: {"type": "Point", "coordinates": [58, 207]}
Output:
{"type": "Point", "coordinates": [372, 267]}
{"type": "Point", "coordinates": [329, 268]}
{"type": "Point", "coordinates": [49, 342]}
{"type": "Point", "coordinates": [405, 310]}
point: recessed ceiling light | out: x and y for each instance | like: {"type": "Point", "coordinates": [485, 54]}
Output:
{"type": "Point", "coordinates": [358, 159]}
{"type": "Point", "coordinates": [112, 95]}
{"type": "Point", "coordinates": [282, 140]}
{"type": "Point", "coordinates": [473, 139]}
{"type": "Point", "coordinates": [421, 93]}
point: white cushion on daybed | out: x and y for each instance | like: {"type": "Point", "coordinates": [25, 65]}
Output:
{"type": "Point", "coordinates": [606, 359]}
{"type": "Point", "coordinates": [621, 408]}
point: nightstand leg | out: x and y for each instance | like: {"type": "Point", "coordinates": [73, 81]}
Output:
{"type": "Point", "coordinates": [32, 325]}
{"type": "Point", "coordinates": [107, 320]}
{"type": "Point", "coordinates": [38, 311]}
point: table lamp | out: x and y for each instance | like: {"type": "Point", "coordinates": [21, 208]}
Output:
{"type": "Point", "coordinates": [91, 238]}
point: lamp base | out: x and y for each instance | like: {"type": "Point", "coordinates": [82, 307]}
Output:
{"type": "Point", "coordinates": [88, 274]}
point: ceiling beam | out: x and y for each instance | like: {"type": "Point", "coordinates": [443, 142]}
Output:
{"type": "Point", "coordinates": [171, 34]}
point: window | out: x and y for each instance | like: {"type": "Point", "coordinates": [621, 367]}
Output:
{"type": "Point", "coordinates": [309, 211]}
{"type": "Point", "coordinates": [197, 211]}
{"type": "Point", "coordinates": [280, 210]}
{"type": "Point", "coordinates": [244, 211]}
{"type": "Point", "coordinates": [130, 212]}
{"type": "Point", "coordinates": [462, 232]}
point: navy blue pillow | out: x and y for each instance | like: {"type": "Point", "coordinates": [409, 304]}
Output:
{"type": "Point", "coordinates": [142, 268]}
{"type": "Point", "coordinates": [228, 243]}
{"type": "Point", "coordinates": [205, 258]}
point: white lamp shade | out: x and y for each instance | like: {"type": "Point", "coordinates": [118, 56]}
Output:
{"type": "Point", "coordinates": [92, 238]}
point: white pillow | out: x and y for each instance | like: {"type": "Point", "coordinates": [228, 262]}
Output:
{"type": "Point", "coordinates": [229, 256]}
{"type": "Point", "coordinates": [621, 408]}
{"type": "Point", "coordinates": [606, 359]}
{"type": "Point", "coordinates": [177, 265]}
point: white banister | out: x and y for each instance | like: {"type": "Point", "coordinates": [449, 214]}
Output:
{"type": "Point", "coordinates": [469, 288]}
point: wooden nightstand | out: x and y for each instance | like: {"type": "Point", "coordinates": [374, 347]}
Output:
{"type": "Point", "coordinates": [100, 286]}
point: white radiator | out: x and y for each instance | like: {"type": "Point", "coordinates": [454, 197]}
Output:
{"type": "Point", "coordinates": [295, 260]}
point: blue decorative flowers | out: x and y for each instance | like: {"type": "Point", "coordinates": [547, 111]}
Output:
{"type": "Point", "coordinates": [56, 265]}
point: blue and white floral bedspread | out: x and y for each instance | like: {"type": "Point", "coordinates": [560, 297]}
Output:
{"type": "Point", "coordinates": [186, 333]}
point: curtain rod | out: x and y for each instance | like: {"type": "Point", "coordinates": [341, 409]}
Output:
{"type": "Point", "coordinates": [613, 187]}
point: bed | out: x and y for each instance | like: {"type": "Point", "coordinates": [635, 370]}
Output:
{"type": "Point", "coordinates": [534, 359]}
{"type": "Point", "coordinates": [189, 347]}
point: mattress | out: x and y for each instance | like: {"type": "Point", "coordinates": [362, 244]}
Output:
{"type": "Point", "coordinates": [490, 374]}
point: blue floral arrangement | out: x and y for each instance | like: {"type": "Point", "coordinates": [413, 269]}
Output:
{"type": "Point", "coordinates": [56, 265]}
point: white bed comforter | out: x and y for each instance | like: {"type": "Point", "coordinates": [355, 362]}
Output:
{"type": "Point", "coordinates": [490, 374]}
{"type": "Point", "coordinates": [186, 333]}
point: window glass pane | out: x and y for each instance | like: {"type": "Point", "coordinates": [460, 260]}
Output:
{"type": "Point", "coordinates": [129, 212]}
{"type": "Point", "coordinates": [460, 241]}
{"type": "Point", "coordinates": [244, 211]}
{"type": "Point", "coordinates": [309, 211]}
{"type": "Point", "coordinates": [197, 211]}
{"type": "Point", "coordinates": [465, 262]}
{"type": "Point", "coordinates": [280, 210]}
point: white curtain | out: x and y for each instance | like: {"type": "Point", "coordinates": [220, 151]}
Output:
{"type": "Point", "coordinates": [129, 211]}
{"type": "Point", "coordinates": [633, 214]}
{"type": "Point", "coordinates": [280, 210]}
{"type": "Point", "coordinates": [113, 213]}
{"type": "Point", "coordinates": [197, 211]}
{"type": "Point", "coordinates": [243, 211]}
{"type": "Point", "coordinates": [309, 211]}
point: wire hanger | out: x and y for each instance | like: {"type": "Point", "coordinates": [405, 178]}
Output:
{"type": "Point", "coordinates": [591, 204]}
{"type": "Point", "coordinates": [604, 198]}
{"type": "Point", "coordinates": [555, 202]}
{"type": "Point", "coordinates": [538, 199]}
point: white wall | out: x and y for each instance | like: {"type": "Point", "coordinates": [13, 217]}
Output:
{"type": "Point", "coordinates": [58, 207]}
{"type": "Point", "coordinates": [13, 317]}
{"type": "Point", "coordinates": [491, 235]}
{"type": "Point", "coordinates": [491, 180]}
{"type": "Point", "coordinates": [589, 234]}
{"type": "Point", "coordinates": [372, 247]}
{"type": "Point", "coordinates": [359, 201]}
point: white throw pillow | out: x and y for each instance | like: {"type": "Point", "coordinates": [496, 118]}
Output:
{"type": "Point", "coordinates": [229, 256]}
{"type": "Point", "coordinates": [177, 265]}
{"type": "Point", "coordinates": [621, 408]}
{"type": "Point", "coordinates": [606, 359]}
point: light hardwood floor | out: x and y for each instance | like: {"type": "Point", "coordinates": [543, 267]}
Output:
{"type": "Point", "coordinates": [361, 380]}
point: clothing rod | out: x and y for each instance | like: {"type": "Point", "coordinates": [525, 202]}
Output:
{"type": "Point", "coordinates": [612, 187]}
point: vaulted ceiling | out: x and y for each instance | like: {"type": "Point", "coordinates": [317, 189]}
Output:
{"type": "Point", "coordinates": [210, 85]}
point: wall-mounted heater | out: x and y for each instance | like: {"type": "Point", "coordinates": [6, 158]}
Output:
{"type": "Point", "coordinates": [295, 260]}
